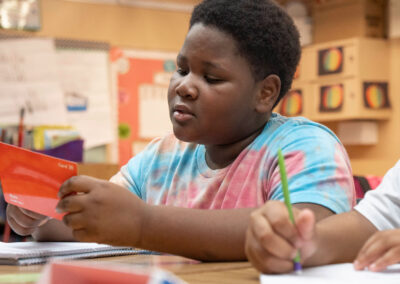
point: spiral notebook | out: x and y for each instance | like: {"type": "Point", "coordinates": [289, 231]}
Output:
{"type": "Point", "coordinates": [26, 253]}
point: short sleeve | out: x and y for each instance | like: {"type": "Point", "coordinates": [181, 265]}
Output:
{"type": "Point", "coordinates": [133, 174]}
{"type": "Point", "coordinates": [381, 206]}
{"type": "Point", "coordinates": [318, 168]}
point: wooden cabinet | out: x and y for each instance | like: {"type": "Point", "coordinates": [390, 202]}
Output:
{"type": "Point", "coordinates": [342, 80]}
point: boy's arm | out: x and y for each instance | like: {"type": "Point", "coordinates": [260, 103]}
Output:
{"type": "Point", "coordinates": [210, 235]}
{"type": "Point", "coordinates": [107, 213]}
{"type": "Point", "coordinates": [339, 238]}
{"type": "Point", "coordinates": [202, 234]}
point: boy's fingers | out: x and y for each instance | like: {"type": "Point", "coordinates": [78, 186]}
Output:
{"type": "Point", "coordinates": [277, 265]}
{"type": "Point", "coordinates": [269, 240]}
{"type": "Point", "coordinates": [70, 204]}
{"type": "Point", "coordinates": [74, 221]}
{"type": "Point", "coordinates": [262, 260]}
{"type": "Point", "coordinates": [254, 251]}
{"type": "Point", "coordinates": [392, 256]}
{"type": "Point", "coordinates": [23, 220]}
{"type": "Point", "coordinates": [76, 184]}
{"type": "Point", "coordinates": [17, 228]}
{"type": "Point", "coordinates": [278, 217]}
{"type": "Point", "coordinates": [32, 214]}
{"type": "Point", "coordinates": [373, 249]}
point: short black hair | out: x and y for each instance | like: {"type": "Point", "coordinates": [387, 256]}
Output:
{"type": "Point", "coordinates": [265, 34]}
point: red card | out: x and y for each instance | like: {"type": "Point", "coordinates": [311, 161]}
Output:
{"type": "Point", "coordinates": [31, 180]}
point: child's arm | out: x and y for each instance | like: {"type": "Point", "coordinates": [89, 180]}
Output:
{"type": "Point", "coordinates": [335, 239]}
{"type": "Point", "coordinates": [339, 238]}
{"type": "Point", "coordinates": [380, 251]}
{"type": "Point", "coordinates": [107, 213]}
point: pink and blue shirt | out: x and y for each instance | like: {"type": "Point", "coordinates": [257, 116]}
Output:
{"type": "Point", "coordinates": [172, 172]}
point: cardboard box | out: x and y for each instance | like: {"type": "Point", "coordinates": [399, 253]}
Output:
{"type": "Point", "coordinates": [348, 99]}
{"type": "Point", "coordinates": [341, 19]}
{"type": "Point", "coordinates": [394, 19]}
{"type": "Point", "coordinates": [366, 58]}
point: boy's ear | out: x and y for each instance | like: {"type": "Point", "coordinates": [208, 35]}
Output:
{"type": "Point", "coordinates": [269, 92]}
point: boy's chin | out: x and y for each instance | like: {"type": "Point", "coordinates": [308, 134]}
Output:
{"type": "Point", "coordinates": [185, 137]}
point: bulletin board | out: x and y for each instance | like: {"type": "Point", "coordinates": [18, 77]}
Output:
{"type": "Point", "coordinates": [143, 79]}
{"type": "Point", "coordinates": [57, 82]}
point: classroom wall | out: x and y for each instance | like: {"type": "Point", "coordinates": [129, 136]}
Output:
{"type": "Point", "coordinates": [134, 27]}
{"type": "Point", "coordinates": [122, 26]}
{"type": "Point", "coordinates": [379, 158]}
{"type": "Point", "coordinates": [141, 28]}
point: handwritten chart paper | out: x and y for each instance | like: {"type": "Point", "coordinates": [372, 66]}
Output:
{"type": "Point", "coordinates": [29, 79]}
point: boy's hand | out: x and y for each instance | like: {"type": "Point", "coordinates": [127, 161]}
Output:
{"type": "Point", "coordinates": [380, 251]}
{"type": "Point", "coordinates": [100, 211]}
{"type": "Point", "coordinates": [24, 222]}
{"type": "Point", "coordinates": [272, 240]}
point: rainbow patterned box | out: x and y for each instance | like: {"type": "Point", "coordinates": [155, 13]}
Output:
{"type": "Point", "coordinates": [341, 80]}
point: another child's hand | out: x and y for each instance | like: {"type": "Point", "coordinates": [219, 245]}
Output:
{"type": "Point", "coordinates": [100, 211]}
{"type": "Point", "coordinates": [24, 222]}
{"type": "Point", "coordinates": [380, 251]}
{"type": "Point", "coordinates": [272, 240]}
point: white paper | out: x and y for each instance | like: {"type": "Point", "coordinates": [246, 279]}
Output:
{"type": "Point", "coordinates": [154, 118]}
{"type": "Point", "coordinates": [40, 100]}
{"type": "Point", "coordinates": [336, 273]}
{"type": "Point", "coordinates": [85, 81]}
{"type": "Point", "coordinates": [29, 79]}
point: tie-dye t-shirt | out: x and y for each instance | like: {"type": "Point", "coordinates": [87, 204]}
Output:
{"type": "Point", "coordinates": [172, 172]}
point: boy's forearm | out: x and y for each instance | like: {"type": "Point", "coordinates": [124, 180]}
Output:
{"type": "Point", "coordinates": [200, 234]}
{"type": "Point", "coordinates": [340, 237]}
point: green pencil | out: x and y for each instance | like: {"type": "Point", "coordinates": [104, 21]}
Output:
{"type": "Point", "coordinates": [285, 188]}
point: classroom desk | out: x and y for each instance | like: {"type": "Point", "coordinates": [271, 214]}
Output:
{"type": "Point", "coordinates": [189, 270]}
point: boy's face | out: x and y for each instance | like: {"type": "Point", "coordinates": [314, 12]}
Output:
{"type": "Point", "coordinates": [212, 95]}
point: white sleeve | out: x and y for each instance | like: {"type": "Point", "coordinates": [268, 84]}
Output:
{"type": "Point", "coordinates": [381, 206]}
{"type": "Point", "coordinates": [121, 179]}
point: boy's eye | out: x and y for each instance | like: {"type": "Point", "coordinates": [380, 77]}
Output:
{"type": "Point", "coordinates": [181, 72]}
{"type": "Point", "coordinates": [212, 80]}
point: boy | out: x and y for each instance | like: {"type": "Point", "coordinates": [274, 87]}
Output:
{"type": "Point", "coordinates": [236, 63]}
{"type": "Point", "coordinates": [335, 239]}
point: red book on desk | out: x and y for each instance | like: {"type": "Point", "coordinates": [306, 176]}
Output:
{"type": "Point", "coordinates": [31, 180]}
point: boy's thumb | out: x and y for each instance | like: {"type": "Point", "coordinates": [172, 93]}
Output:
{"type": "Point", "coordinates": [305, 223]}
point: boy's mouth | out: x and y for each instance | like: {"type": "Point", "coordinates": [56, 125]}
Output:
{"type": "Point", "coordinates": [182, 113]}
{"type": "Point", "coordinates": [182, 109]}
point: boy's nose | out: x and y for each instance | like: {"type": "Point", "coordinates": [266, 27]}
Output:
{"type": "Point", "coordinates": [186, 88]}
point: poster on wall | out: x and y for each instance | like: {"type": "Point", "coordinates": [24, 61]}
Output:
{"type": "Point", "coordinates": [330, 61]}
{"type": "Point", "coordinates": [143, 79]}
{"type": "Point", "coordinates": [331, 98]}
{"type": "Point", "coordinates": [376, 95]}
